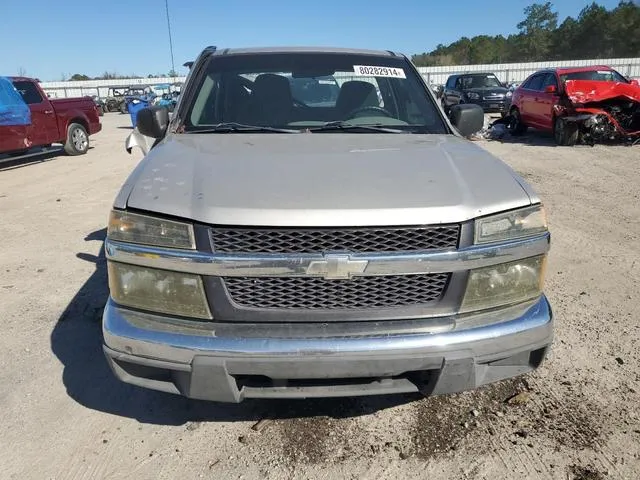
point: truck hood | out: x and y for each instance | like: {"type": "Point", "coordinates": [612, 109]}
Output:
{"type": "Point", "coordinates": [322, 179]}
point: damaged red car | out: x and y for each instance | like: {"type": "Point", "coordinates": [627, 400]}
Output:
{"type": "Point", "coordinates": [579, 105]}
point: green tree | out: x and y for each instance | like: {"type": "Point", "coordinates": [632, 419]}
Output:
{"type": "Point", "coordinates": [624, 21]}
{"type": "Point", "coordinates": [595, 33]}
{"type": "Point", "coordinates": [79, 76]}
{"type": "Point", "coordinates": [593, 38]}
{"type": "Point", "coordinates": [537, 30]}
{"type": "Point", "coordinates": [564, 40]}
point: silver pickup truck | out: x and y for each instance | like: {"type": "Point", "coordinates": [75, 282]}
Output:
{"type": "Point", "coordinates": [340, 238]}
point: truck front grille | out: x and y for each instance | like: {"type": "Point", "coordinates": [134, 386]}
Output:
{"type": "Point", "coordinates": [319, 240]}
{"type": "Point", "coordinates": [318, 293]}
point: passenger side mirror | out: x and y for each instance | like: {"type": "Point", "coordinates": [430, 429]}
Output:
{"type": "Point", "coordinates": [635, 82]}
{"type": "Point", "coordinates": [153, 121]}
{"type": "Point", "coordinates": [550, 89]}
{"type": "Point", "coordinates": [467, 118]}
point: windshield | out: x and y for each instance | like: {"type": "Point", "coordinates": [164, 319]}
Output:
{"type": "Point", "coordinates": [480, 81]}
{"type": "Point", "coordinates": [597, 75]}
{"type": "Point", "coordinates": [300, 91]}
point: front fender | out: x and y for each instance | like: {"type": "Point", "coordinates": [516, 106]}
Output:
{"type": "Point", "coordinates": [136, 139]}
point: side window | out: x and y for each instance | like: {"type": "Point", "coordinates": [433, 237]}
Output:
{"type": "Point", "coordinates": [550, 79]}
{"type": "Point", "coordinates": [536, 82]}
{"type": "Point", "coordinates": [450, 82]}
{"type": "Point", "coordinates": [203, 111]}
{"type": "Point", "coordinates": [29, 92]}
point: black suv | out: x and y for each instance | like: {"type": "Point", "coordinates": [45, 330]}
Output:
{"type": "Point", "coordinates": [481, 88]}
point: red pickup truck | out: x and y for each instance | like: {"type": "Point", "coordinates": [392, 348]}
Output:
{"type": "Point", "coordinates": [69, 121]}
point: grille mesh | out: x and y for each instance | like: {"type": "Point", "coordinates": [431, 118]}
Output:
{"type": "Point", "coordinates": [318, 293]}
{"type": "Point", "coordinates": [295, 240]}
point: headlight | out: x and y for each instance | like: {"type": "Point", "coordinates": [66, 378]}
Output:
{"type": "Point", "coordinates": [508, 94]}
{"type": "Point", "coordinates": [473, 96]}
{"type": "Point", "coordinates": [504, 284]}
{"type": "Point", "coordinates": [135, 228]}
{"type": "Point", "coordinates": [159, 291]}
{"type": "Point", "coordinates": [511, 225]}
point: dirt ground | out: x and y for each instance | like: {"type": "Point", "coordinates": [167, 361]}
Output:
{"type": "Point", "coordinates": [64, 416]}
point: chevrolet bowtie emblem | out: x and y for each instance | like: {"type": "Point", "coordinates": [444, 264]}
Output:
{"type": "Point", "coordinates": [335, 267]}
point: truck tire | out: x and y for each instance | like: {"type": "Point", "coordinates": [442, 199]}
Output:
{"type": "Point", "coordinates": [77, 142]}
{"type": "Point", "coordinates": [123, 108]}
{"type": "Point", "coordinates": [564, 133]}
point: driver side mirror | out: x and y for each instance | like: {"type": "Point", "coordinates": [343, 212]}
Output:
{"type": "Point", "coordinates": [550, 89]}
{"type": "Point", "coordinates": [468, 118]}
{"type": "Point", "coordinates": [153, 121]}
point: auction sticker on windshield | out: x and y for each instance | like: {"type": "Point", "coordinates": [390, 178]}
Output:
{"type": "Point", "coordinates": [373, 71]}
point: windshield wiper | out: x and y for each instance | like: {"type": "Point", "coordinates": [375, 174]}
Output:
{"type": "Point", "coordinates": [227, 127]}
{"type": "Point", "coordinates": [342, 125]}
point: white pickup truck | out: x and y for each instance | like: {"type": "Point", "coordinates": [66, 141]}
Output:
{"type": "Point", "coordinates": [266, 247]}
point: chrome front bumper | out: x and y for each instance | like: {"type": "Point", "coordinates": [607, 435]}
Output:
{"type": "Point", "coordinates": [230, 362]}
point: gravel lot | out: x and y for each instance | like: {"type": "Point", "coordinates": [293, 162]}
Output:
{"type": "Point", "coordinates": [64, 416]}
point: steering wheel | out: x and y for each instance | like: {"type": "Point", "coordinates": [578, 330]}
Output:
{"type": "Point", "coordinates": [371, 108]}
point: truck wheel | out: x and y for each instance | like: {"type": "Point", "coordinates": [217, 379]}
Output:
{"type": "Point", "coordinates": [515, 125]}
{"type": "Point", "coordinates": [564, 133]}
{"type": "Point", "coordinates": [77, 140]}
{"type": "Point", "coordinates": [123, 108]}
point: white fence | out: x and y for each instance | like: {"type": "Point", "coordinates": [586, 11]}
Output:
{"type": "Point", "coordinates": [517, 72]}
{"type": "Point", "coordinates": [507, 72]}
{"type": "Point", "coordinates": [99, 87]}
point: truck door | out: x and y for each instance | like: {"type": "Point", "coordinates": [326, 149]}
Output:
{"type": "Point", "coordinates": [44, 125]}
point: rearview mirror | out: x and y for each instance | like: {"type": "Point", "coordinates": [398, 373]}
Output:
{"type": "Point", "coordinates": [550, 89]}
{"type": "Point", "coordinates": [153, 121]}
{"type": "Point", "coordinates": [468, 118]}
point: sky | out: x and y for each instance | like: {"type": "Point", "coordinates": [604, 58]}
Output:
{"type": "Point", "coordinates": [61, 37]}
